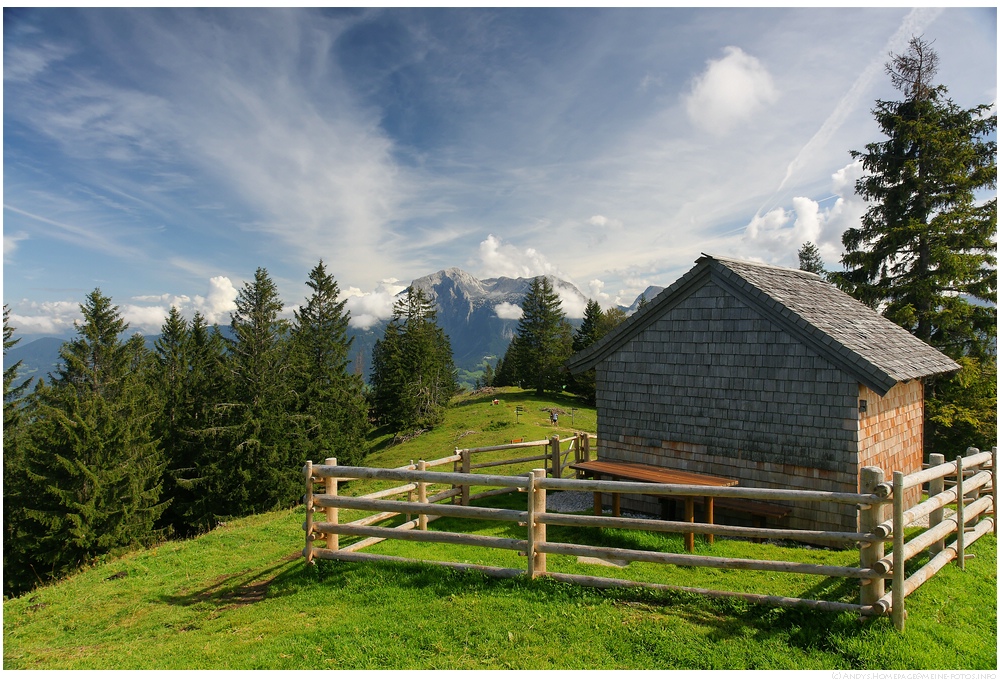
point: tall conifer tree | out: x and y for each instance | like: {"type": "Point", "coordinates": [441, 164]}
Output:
{"type": "Point", "coordinates": [924, 254]}
{"type": "Point", "coordinates": [925, 250]}
{"type": "Point", "coordinates": [810, 259]}
{"type": "Point", "coordinates": [585, 383]}
{"type": "Point", "coordinates": [331, 412]}
{"type": "Point", "coordinates": [16, 574]}
{"type": "Point", "coordinates": [92, 468]}
{"type": "Point", "coordinates": [543, 340]}
{"type": "Point", "coordinates": [255, 468]}
{"type": "Point", "coordinates": [413, 373]}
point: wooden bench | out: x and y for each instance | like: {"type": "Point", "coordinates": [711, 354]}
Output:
{"type": "Point", "coordinates": [645, 473]}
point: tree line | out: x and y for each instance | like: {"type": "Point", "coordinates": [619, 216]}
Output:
{"type": "Point", "coordinates": [125, 446]}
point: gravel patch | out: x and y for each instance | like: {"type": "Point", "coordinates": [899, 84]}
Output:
{"type": "Point", "coordinates": [568, 501]}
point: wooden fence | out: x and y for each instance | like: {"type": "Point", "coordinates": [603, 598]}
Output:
{"type": "Point", "coordinates": [553, 453]}
{"type": "Point", "coordinates": [968, 483]}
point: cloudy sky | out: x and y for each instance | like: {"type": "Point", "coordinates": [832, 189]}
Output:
{"type": "Point", "coordinates": [164, 155]}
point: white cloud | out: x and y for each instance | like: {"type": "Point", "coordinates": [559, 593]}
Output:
{"type": "Point", "coordinates": [144, 319]}
{"type": "Point", "coordinates": [44, 317]}
{"type": "Point", "coordinates": [596, 229]}
{"type": "Point", "coordinates": [10, 242]}
{"type": "Point", "coordinates": [777, 235]}
{"type": "Point", "coordinates": [25, 63]}
{"type": "Point", "coordinates": [221, 299]}
{"type": "Point", "coordinates": [597, 292]}
{"type": "Point", "coordinates": [369, 307]}
{"type": "Point", "coordinates": [508, 311]}
{"type": "Point", "coordinates": [573, 303]}
{"type": "Point", "coordinates": [500, 259]}
{"type": "Point", "coordinates": [254, 105]}
{"type": "Point", "coordinates": [57, 317]}
{"type": "Point", "coordinates": [605, 222]}
{"type": "Point", "coordinates": [729, 91]}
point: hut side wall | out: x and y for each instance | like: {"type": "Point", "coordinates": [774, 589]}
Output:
{"type": "Point", "coordinates": [891, 431]}
{"type": "Point", "coordinates": [713, 386]}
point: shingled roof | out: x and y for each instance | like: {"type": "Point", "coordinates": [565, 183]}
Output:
{"type": "Point", "coordinates": [848, 333]}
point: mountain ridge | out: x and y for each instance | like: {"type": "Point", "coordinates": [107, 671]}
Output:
{"type": "Point", "coordinates": [466, 309]}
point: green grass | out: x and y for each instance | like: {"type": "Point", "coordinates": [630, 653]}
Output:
{"type": "Point", "coordinates": [241, 597]}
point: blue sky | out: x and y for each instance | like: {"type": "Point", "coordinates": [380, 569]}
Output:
{"type": "Point", "coordinates": [164, 155]}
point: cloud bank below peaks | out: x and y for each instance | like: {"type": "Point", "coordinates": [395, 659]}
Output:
{"type": "Point", "coordinates": [369, 307]}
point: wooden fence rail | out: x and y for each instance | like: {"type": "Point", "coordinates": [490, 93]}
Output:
{"type": "Point", "coordinates": [973, 495]}
{"type": "Point", "coordinates": [462, 461]}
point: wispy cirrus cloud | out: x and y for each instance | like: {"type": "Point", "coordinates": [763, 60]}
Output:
{"type": "Point", "coordinates": [82, 236]}
{"type": "Point", "coordinates": [232, 103]}
{"type": "Point", "coordinates": [173, 146]}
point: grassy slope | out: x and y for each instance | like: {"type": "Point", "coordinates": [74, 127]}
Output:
{"type": "Point", "coordinates": [241, 597]}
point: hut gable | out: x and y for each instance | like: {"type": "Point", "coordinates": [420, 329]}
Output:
{"type": "Point", "coordinates": [849, 334]}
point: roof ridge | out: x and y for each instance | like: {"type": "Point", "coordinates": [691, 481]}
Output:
{"type": "Point", "coordinates": [758, 264]}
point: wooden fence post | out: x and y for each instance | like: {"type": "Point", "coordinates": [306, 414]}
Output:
{"type": "Point", "coordinates": [332, 513]}
{"type": "Point", "coordinates": [556, 457]}
{"type": "Point", "coordinates": [974, 495]}
{"type": "Point", "coordinates": [898, 557]}
{"type": "Point", "coordinates": [993, 472]}
{"type": "Point", "coordinates": [409, 497]}
{"type": "Point", "coordinates": [308, 551]}
{"type": "Point", "coordinates": [872, 589]}
{"type": "Point", "coordinates": [960, 512]}
{"type": "Point", "coordinates": [466, 469]}
{"type": "Point", "coordinates": [936, 487]}
{"type": "Point", "coordinates": [422, 496]}
{"type": "Point", "coordinates": [536, 530]}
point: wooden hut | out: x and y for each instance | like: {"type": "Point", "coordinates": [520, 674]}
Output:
{"type": "Point", "coordinates": [764, 374]}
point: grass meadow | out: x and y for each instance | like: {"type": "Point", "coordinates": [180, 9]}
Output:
{"type": "Point", "coordinates": [241, 597]}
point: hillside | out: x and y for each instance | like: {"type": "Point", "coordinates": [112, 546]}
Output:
{"type": "Point", "coordinates": [241, 597]}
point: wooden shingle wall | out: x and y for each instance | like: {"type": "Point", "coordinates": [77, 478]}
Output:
{"type": "Point", "coordinates": [891, 430]}
{"type": "Point", "coordinates": [712, 386]}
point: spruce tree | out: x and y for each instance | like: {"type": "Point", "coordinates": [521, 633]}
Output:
{"type": "Point", "coordinates": [207, 384]}
{"type": "Point", "coordinates": [188, 366]}
{"type": "Point", "coordinates": [13, 391]}
{"type": "Point", "coordinates": [254, 467]}
{"type": "Point", "coordinates": [13, 407]}
{"type": "Point", "coordinates": [92, 467]}
{"type": "Point", "coordinates": [504, 374]}
{"type": "Point", "coordinates": [387, 377]}
{"type": "Point", "coordinates": [331, 411]}
{"type": "Point", "coordinates": [171, 374]}
{"type": "Point", "coordinates": [924, 254]}
{"type": "Point", "coordinates": [17, 577]}
{"type": "Point", "coordinates": [543, 340]}
{"type": "Point", "coordinates": [810, 260]}
{"type": "Point", "coordinates": [925, 251]}
{"type": "Point", "coordinates": [612, 317]}
{"type": "Point", "coordinates": [585, 383]}
{"type": "Point", "coordinates": [413, 373]}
